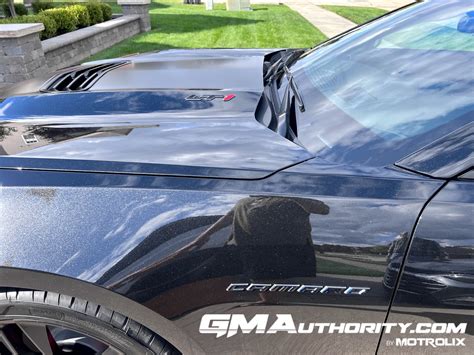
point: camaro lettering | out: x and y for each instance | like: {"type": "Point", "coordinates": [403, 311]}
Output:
{"type": "Point", "coordinates": [298, 288]}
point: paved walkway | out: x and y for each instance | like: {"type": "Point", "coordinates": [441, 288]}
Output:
{"type": "Point", "coordinates": [381, 4]}
{"type": "Point", "coordinates": [330, 23]}
{"type": "Point", "coordinates": [326, 21]}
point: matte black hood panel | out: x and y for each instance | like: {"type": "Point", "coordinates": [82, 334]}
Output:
{"type": "Point", "coordinates": [236, 69]}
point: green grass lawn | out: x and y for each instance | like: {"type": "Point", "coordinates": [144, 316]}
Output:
{"type": "Point", "coordinates": [358, 15]}
{"type": "Point", "coordinates": [175, 25]}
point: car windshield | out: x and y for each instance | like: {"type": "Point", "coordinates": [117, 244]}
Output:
{"type": "Point", "coordinates": [391, 87]}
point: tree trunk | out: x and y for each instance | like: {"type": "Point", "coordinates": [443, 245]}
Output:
{"type": "Point", "coordinates": [11, 7]}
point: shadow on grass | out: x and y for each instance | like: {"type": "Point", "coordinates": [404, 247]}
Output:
{"type": "Point", "coordinates": [185, 23]}
{"type": "Point", "coordinates": [151, 46]}
{"type": "Point", "coordinates": [143, 47]}
{"type": "Point", "coordinates": [158, 5]}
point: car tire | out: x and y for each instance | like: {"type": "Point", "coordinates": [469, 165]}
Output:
{"type": "Point", "coordinates": [25, 313]}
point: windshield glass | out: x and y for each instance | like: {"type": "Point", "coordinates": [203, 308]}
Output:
{"type": "Point", "coordinates": [395, 85]}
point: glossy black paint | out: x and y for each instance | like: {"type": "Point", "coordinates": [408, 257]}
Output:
{"type": "Point", "coordinates": [446, 157]}
{"type": "Point", "coordinates": [437, 282]}
{"type": "Point", "coordinates": [160, 132]}
{"type": "Point", "coordinates": [144, 239]}
{"type": "Point", "coordinates": [130, 190]}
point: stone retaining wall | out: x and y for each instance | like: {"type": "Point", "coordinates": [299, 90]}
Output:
{"type": "Point", "coordinates": [72, 48]}
{"type": "Point", "coordinates": [23, 56]}
{"type": "Point", "coordinates": [21, 53]}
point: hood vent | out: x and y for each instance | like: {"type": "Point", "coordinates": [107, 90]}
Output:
{"type": "Point", "coordinates": [79, 79]}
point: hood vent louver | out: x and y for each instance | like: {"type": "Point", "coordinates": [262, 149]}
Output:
{"type": "Point", "coordinates": [79, 79]}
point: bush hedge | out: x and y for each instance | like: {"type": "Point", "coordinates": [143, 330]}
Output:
{"type": "Point", "coordinates": [20, 10]}
{"type": "Point", "coordinates": [65, 19]}
{"type": "Point", "coordinates": [106, 11]}
{"type": "Point", "coordinates": [81, 14]}
{"type": "Point", "coordinates": [39, 6]}
{"type": "Point", "coordinates": [50, 26]}
{"type": "Point", "coordinates": [60, 20]}
{"type": "Point", "coordinates": [95, 12]}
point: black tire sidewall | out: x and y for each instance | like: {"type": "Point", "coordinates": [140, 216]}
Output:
{"type": "Point", "coordinates": [18, 311]}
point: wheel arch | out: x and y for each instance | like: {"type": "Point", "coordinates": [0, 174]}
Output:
{"type": "Point", "coordinates": [38, 280]}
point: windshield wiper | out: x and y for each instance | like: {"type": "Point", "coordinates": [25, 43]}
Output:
{"type": "Point", "coordinates": [287, 109]}
{"type": "Point", "coordinates": [292, 85]}
{"type": "Point", "coordinates": [284, 61]}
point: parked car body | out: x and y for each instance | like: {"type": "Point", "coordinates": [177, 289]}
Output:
{"type": "Point", "coordinates": [165, 196]}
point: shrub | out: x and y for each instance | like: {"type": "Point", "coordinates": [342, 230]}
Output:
{"type": "Point", "coordinates": [95, 12]}
{"type": "Point", "coordinates": [50, 26]}
{"type": "Point", "coordinates": [20, 10]}
{"type": "Point", "coordinates": [106, 11]}
{"type": "Point", "coordinates": [64, 18]}
{"type": "Point", "coordinates": [81, 14]}
{"type": "Point", "coordinates": [39, 6]}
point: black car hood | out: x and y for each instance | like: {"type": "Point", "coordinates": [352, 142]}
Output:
{"type": "Point", "coordinates": [124, 125]}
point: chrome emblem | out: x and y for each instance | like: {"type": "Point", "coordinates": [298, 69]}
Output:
{"type": "Point", "coordinates": [298, 288]}
{"type": "Point", "coordinates": [210, 97]}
